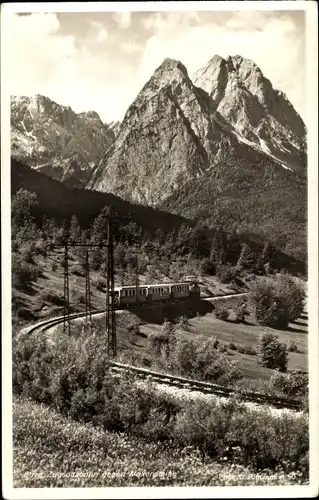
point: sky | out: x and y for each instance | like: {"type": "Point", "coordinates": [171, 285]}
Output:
{"type": "Point", "coordinates": [100, 61]}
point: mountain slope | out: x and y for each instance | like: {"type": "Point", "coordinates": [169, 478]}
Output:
{"type": "Point", "coordinates": [198, 153]}
{"type": "Point", "coordinates": [55, 140]}
{"type": "Point", "coordinates": [57, 200]}
{"type": "Point", "coordinates": [247, 100]}
{"type": "Point", "coordinates": [61, 202]}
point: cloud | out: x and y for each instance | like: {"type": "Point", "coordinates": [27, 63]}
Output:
{"type": "Point", "coordinates": [123, 19]}
{"type": "Point", "coordinates": [89, 63]}
{"type": "Point", "coordinates": [81, 73]}
{"type": "Point", "coordinates": [274, 43]}
{"type": "Point", "coordinates": [35, 50]}
{"type": "Point", "coordinates": [130, 47]}
{"type": "Point", "coordinates": [102, 35]}
{"type": "Point", "coordinates": [101, 31]}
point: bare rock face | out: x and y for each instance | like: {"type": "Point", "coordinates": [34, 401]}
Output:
{"type": "Point", "coordinates": [176, 131]}
{"type": "Point", "coordinates": [259, 113]}
{"type": "Point", "coordinates": [167, 138]}
{"type": "Point", "coordinates": [55, 140]}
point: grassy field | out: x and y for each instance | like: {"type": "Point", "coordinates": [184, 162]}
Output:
{"type": "Point", "coordinates": [37, 302]}
{"type": "Point", "coordinates": [206, 326]}
{"type": "Point", "coordinates": [52, 451]}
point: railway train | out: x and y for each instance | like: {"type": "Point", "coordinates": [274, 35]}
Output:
{"type": "Point", "coordinates": [128, 296]}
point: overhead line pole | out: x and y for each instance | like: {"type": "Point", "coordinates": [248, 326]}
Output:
{"type": "Point", "coordinates": [66, 309]}
{"type": "Point", "coordinates": [110, 322]}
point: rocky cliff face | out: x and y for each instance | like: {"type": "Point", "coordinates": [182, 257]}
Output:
{"type": "Point", "coordinates": [176, 132]}
{"type": "Point", "coordinates": [259, 113]}
{"type": "Point", "coordinates": [229, 150]}
{"type": "Point", "coordinates": [57, 141]}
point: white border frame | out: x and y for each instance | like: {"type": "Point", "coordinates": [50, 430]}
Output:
{"type": "Point", "coordinates": [310, 7]}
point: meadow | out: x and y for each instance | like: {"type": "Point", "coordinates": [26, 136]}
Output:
{"type": "Point", "coordinates": [51, 450]}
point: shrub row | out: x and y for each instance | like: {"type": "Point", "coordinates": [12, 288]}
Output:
{"type": "Point", "coordinates": [73, 376]}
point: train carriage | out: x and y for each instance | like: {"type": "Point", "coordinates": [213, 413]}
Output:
{"type": "Point", "coordinates": [127, 296]}
{"type": "Point", "coordinates": [159, 293]}
{"type": "Point", "coordinates": [180, 291]}
{"type": "Point", "coordinates": [130, 295]}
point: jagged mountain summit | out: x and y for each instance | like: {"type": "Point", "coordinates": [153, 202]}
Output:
{"type": "Point", "coordinates": [227, 148]}
{"type": "Point", "coordinates": [259, 113]}
{"type": "Point", "coordinates": [57, 141]}
{"type": "Point", "coordinates": [196, 151]}
{"type": "Point", "coordinates": [175, 131]}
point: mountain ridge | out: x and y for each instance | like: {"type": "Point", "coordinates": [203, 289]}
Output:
{"type": "Point", "coordinates": [221, 151]}
{"type": "Point", "coordinates": [55, 140]}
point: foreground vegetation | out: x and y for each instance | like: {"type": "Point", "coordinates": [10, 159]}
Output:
{"type": "Point", "coordinates": [54, 451]}
{"type": "Point", "coordinates": [73, 377]}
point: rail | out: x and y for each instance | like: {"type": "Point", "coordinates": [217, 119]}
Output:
{"type": "Point", "coordinates": [174, 380]}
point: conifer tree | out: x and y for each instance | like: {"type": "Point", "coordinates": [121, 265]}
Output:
{"type": "Point", "coordinates": [247, 259]}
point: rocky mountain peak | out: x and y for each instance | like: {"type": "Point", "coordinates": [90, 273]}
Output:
{"type": "Point", "coordinates": [170, 74]}
{"type": "Point", "coordinates": [52, 138]}
{"type": "Point", "coordinates": [260, 114]}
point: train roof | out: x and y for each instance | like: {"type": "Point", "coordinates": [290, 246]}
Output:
{"type": "Point", "coordinates": [127, 287]}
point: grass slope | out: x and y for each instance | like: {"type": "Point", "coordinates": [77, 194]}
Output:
{"type": "Point", "coordinates": [52, 451]}
{"type": "Point", "coordinates": [204, 326]}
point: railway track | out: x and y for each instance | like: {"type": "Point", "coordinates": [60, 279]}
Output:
{"type": "Point", "coordinates": [173, 380]}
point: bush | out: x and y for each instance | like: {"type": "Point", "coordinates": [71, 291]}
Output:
{"type": "Point", "coordinates": [52, 297]}
{"type": "Point", "coordinates": [77, 297]}
{"type": "Point", "coordinates": [291, 384]}
{"type": "Point", "coordinates": [276, 301]}
{"type": "Point", "coordinates": [273, 353]}
{"type": "Point", "coordinates": [99, 283]}
{"type": "Point", "coordinates": [28, 252]}
{"type": "Point", "coordinates": [247, 259]}
{"type": "Point", "coordinates": [158, 343]}
{"type": "Point", "coordinates": [292, 347]}
{"type": "Point", "coordinates": [133, 333]}
{"type": "Point", "coordinates": [77, 270]}
{"type": "Point", "coordinates": [223, 348]}
{"type": "Point", "coordinates": [232, 346]}
{"type": "Point", "coordinates": [72, 375]}
{"type": "Point", "coordinates": [221, 312]}
{"type": "Point", "coordinates": [184, 323]}
{"type": "Point", "coordinates": [246, 349]}
{"type": "Point", "coordinates": [208, 267]}
{"type": "Point", "coordinates": [227, 274]}
{"type": "Point", "coordinates": [23, 273]}
{"type": "Point", "coordinates": [240, 313]}
{"type": "Point", "coordinates": [293, 295]}
{"type": "Point", "coordinates": [204, 361]}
